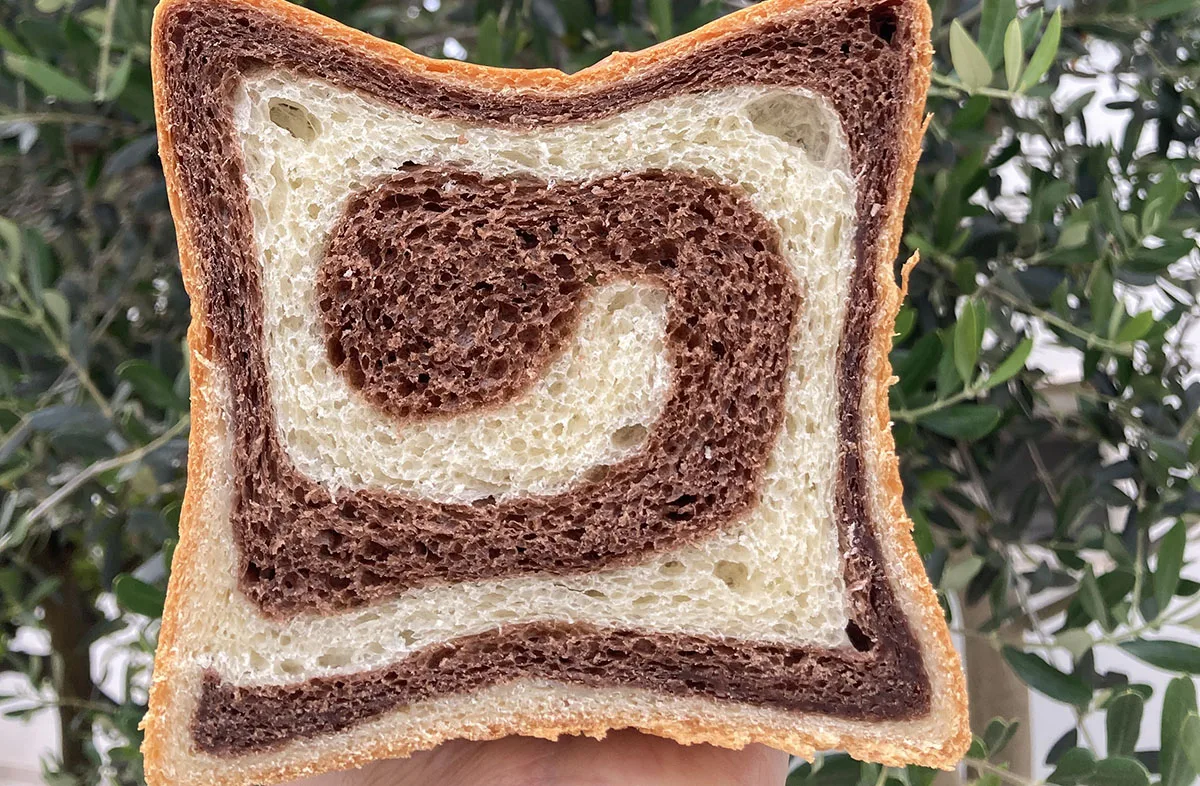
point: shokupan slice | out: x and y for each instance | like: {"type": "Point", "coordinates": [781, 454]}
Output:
{"type": "Point", "coordinates": [533, 403]}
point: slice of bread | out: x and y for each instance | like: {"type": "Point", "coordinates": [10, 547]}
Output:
{"type": "Point", "coordinates": [527, 403]}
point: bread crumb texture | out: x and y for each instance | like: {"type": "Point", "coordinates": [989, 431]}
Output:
{"type": "Point", "coordinates": [774, 577]}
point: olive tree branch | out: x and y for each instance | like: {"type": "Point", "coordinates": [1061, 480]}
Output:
{"type": "Point", "coordinates": [100, 467]}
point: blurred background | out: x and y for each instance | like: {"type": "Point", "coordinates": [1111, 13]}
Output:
{"type": "Point", "coordinates": [1047, 411]}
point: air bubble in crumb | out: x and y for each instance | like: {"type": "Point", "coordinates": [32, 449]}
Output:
{"type": "Point", "coordinates": [294, 119]}
{"type": "Point", "coordinates": [798, 120]}
{"type": "Point", "coordinates": [734, 574]}
{"type": "Point", "coordinates": [628, 436]}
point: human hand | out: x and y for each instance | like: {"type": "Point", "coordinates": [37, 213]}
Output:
{"type": "Point", "coordinates": [624, 758]}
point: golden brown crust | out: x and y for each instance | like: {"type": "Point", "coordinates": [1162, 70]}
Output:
{"type": "Point", "coordinates": [919, 600]}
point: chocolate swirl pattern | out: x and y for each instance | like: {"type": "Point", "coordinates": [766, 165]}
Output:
{"type": "Point", "coordinates": [431, 305]}
{"type": "Point", "coordinates": [444, 292]}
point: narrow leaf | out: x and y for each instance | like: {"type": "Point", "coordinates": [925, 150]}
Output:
{"type": "Point", "coordinates": [965, 421]}
{"type": "Point", "coordinates": [956, 577]}
{"type": "Point", "coordinates": [137, 596]}
{"type": "Point", "coordinates": [1170, 561]}
{"type": "Point", "coordinates": [660, 17]}
{"type": "Point", "coordinates": [1014, 54]}
{"type": "Point", "coordinates": [1119, 771]}
{"type": "Point", "coordinates": [130, 155]}
{"type": "Point", "coordinates": [1165, 654]}
{"type": "Point", "coordinates": [152, 385]}
{"type": "Point", "coordinates": [58, 308]}
{"type": "Point", "coordinates": [1164, 9]}
{"type": "Point", "coordinates": [993, 23]}
{"type": "Point", "coordinates": [1074, 234]}
{"type": "Point", "coordinates": [1076, 641]}
{"type": "Point", "coordinates": [1179, 703]}
{"type": "Point", "coordinates": [999, 733]}
{"type": "Point", "coordinates": [47, 78]}
{"type": "Point", "coordinates": [10, 262]}
{"type": "Point", "coordinates": [1075, 766]}
{"type": "Point", "coordinates": [1011, 365]}
{"type": "Point", "coordinates": [1123, 723]}
{"type": "Point", "coordinates": [1136, 327]}
{"type": "Point", "coordinates": [906, 320]}
{"type": "Point", "coordinates": [919, 364]}
{"type": "Point", "coordinates": [1189, 738]}
{"type": "Point", "coordinates": [1045, 678]}
{"type": "Point", "coordinates": [1093, 601]}
{"type": "Point", "coordinates": [117, 79]}
{"type": "Point", "coordinates": [966, 342]}
{"type": "Point", "coordinates": [9, 42]}
{"type": "Point", "coordinates": [1043, 56]}
{"type": "Point", "coordinates": [968, 59]}
{"type": "Point", "coordinates": [1153, 213]}
{"type": "Point", "coordinates": [488, 41]}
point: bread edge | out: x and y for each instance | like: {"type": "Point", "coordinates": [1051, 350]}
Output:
{"type": "Point", "coordinates": [920, 601]}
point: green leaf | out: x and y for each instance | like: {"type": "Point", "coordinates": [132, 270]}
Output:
{"type": "Point", "coordinates": [1074, 767]}
{"type": "Point", "coordinates": [1076, 641]}
{"type": "Point", "coordinates": [488, 41]}
{"type": "Point", "coordinates": [152, 385]}
{"type": "Point", "coordinates": [1074, 234]}
{"type": "Point", "coordinates": [1031, 23]}
{"type": "Point", "coordinates": [919, 364]}
{"type": "Point", "coordinates": [1164, 9]}
{"type": "Point", "coordinates": [1123, 723]}
{"type": "Point", "coordinates": [1011, 365]}
{"type": "Point", "coordinates": [9, 42]}
{"type": "Point", "coordinates": [968, 59]}
{"type": "Point", "coordinates": [1119, 771]}
{"type": "Point", "coordinates": [999, 733]}
{"type": "Point", "coordinates": [661, 18]}
{"type": "Point", "coordinates": [1165, 654]}
{"type": "Point", "coordinates": [1045, 678]}
{"type": "Point", "coordinates": [47, 78]}
{"type": "Point", "coordinates": [920, 776]}
{"type": "Point", "coordinates": [994, 19]}
{"type": "Point", "coordinates": [10, 263]}
{"type": "Point", "coordinates": [1170, 562]}
{"type": "Point", "coordinates": [1179, 703]}
{"type": "Point", "coordinates": [1043, 56]}
{"type": "Point", "coordinates": [1189, 740]}
{"type": "Point", "coordinates": [58, 308]}
{"type": "Point", "coordinates": [827, 770]}
{"type": "Point", "coordinates": [1014, 54]}
{"type": "Point", "coordinates": [967, 341]}
{"type": "Point", "coordinates": [1153, 214]}
{"type": "Point", "coordinates": [957, 576]}
{"type": "Point", "coordinates": [906, 320]}
{"type": "Point", "coordinates": [168, 552]}
{"type": "Point", "coordinates": [137, 596]}
{"type": "Point", "coordinates": [117, 79]}
{"type": "Point", "coordinates": [130, 155]}
{"type": "Point", "coordinates": [1093, 601]}
{"type": "Point", "coordinates": [1135, 328]}
{"type": "Point", "coordinates": [964, 421]}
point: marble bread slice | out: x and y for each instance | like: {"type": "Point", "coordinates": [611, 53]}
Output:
{"type": "Point", "coordinates": [532, 403]}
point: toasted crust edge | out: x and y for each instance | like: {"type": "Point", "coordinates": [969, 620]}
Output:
{"type": "Point", "coordinates": [902, 559]}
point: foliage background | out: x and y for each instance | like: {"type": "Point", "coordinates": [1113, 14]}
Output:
{"type": "Point", "coordinates": [1052, 513]}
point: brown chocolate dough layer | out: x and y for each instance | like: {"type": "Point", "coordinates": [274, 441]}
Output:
{"type": "Point", "coordinates": [233, 719]}
{"type": "Point", "coordinates": [308, 555]}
